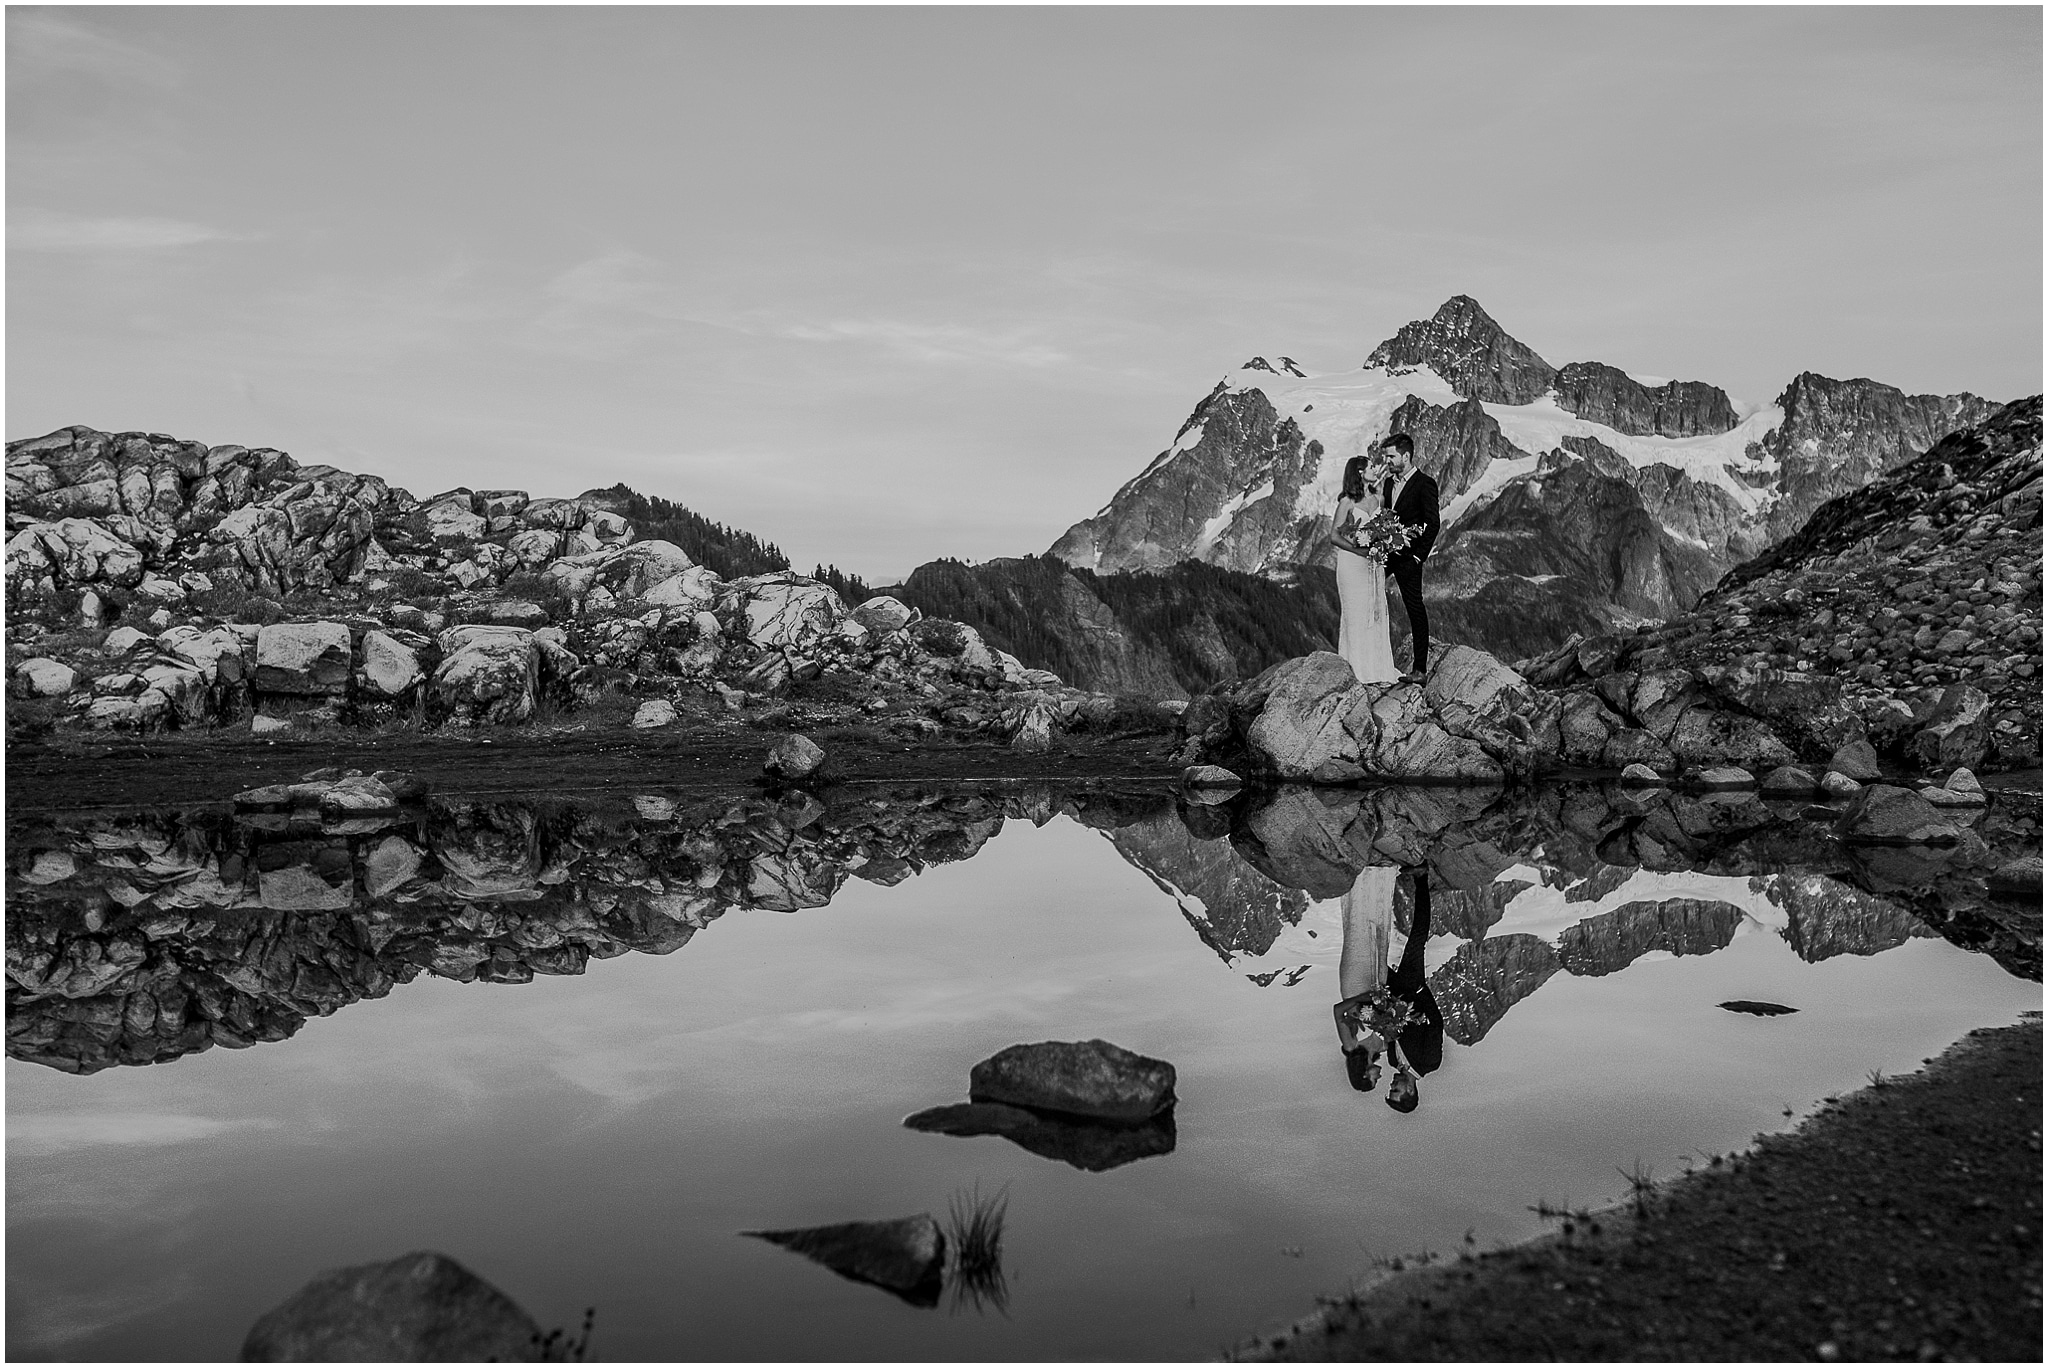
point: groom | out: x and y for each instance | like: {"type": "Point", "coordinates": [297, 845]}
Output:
{"type": "Point", "coordinates": [1412, 495]}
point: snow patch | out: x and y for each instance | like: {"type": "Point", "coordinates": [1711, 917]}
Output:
{"type": "Point", "coordinates": [1219, 524]}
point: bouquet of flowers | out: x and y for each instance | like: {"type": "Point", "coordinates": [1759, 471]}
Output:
{"type": "Point", "coordinates": [1377, 536]}
{"type": "Point", "coordinates": [1385, 1015]}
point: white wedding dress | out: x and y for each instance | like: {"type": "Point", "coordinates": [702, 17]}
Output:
{"type": "Point", "coordinates": [1368, 929]}
{"type": "Point", "coordinates": [1365, 634]}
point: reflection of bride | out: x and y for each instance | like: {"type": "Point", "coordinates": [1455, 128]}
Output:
{"type": "Point", "coordinates": [1369, 986]}
{"type": "Point", "coordinates": [1364, 634]}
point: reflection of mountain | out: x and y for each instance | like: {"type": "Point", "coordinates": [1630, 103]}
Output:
{"type": "Point", "coordinates": [1486, 977]}
{"type": "Point", "coordinates": [1573, 851]}
{"type": "Point", "coordinates": [1234, 908]}
{"type": "Point", "coordinates": [1825, 917]}
{"type": "Point", "coordinates": [141, 938]}
{"type": "Point", "coordinates": [1614, 940]}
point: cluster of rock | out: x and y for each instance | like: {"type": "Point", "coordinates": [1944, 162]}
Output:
{"type": "Point", "coordinates": [470, 607]}
{"type": "Point", "coordinates": [1907, 612]}
{"type": "Point", "coordinates": [1471, 720]}
{"type": "Point", "coordinates": [139, 938]}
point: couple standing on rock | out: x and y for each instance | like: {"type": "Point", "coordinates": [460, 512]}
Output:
{"type": "Point", "coordinates": [1383, 481]}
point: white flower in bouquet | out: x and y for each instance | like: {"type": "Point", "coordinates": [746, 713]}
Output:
{"type": "Point", "coordinates": [1379, 536]}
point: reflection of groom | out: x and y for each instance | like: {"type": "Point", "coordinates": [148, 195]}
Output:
{"type": "Point", "coordinates": [1413, 497]}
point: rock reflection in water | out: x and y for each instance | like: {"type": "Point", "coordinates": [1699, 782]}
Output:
{"type": "Point", "coordinates": [1567, 857]}
{"type": "Point", "coordinates": [140, 937]}
{"type": "Point", "coordinates": [1095, 1146]}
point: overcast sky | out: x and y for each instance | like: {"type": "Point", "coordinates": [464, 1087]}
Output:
{"type": "Point", "coordinates": [886, 285]}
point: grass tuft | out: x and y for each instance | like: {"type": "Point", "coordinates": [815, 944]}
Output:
{"type": "Point", "coordinates": [975, 1248]}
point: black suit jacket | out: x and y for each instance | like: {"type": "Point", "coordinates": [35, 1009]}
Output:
{"type": "Point", "coordinates": [1417, 507]}
{"type": "Point", "coordinates": [1422, 1044]}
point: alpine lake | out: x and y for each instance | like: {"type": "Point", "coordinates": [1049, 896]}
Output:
{"type": "Point", "coordinates": [582, 1041]}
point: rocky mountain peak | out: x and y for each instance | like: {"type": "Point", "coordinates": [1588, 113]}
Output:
{"type": "Point", "coordinates": [1474, 355]}
{"type": "Point", "coordinates": [1286, 366]}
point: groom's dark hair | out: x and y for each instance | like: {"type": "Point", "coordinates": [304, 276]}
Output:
{"type": "Point", "coordinates": [1401, 442]}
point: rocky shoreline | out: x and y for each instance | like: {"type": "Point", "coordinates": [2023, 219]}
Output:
{"type": "Point", "coordinates": [1870, 1232]}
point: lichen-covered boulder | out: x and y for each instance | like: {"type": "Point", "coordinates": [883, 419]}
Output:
{"type": "Point", "coordinates": [43, 677]}
{"type": "Point", "coordinates": [486, 675]}
{"type": "Point", "coordinates": [655, 712]}
{"type": "Point", "coordinates": [390, 668]}
{"type": "Point", "coordinates": [302, 658]}
{"type": "Point", "coordinates": [786, 612]}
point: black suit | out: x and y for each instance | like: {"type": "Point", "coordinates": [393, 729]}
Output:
{"type": "Point", "coordinates": [1417, 507]}
{"type": "Point", "coordinates": [1422, 1044]}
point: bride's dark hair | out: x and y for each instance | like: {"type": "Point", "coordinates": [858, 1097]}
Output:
{"type": "Point", "coordinates": [1354, 478]}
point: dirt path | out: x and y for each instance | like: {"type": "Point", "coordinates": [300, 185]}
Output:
{"type": "Point", "coordinates": [1903, 1222]}
{"type": "Point", "coordinates": [201, 767]}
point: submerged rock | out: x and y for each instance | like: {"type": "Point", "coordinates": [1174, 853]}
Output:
{"type": "Point", "coordinates": [906, 1256]}
{"type": "Point", "coordinates": [1083, 1078]}
{"type": "Point", "coordinates": [424, 1307]}
{"type": "Point", "coordinates": [1092, 1146]}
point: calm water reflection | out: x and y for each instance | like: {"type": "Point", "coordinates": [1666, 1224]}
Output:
{"type": "Point", "coordinates": [597, 1133]}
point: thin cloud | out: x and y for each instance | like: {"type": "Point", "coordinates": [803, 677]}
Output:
{"type": "Point", "coordinates": [65, 1131]}
{"type": "Point", "coordinates": [41, 44]}
{"type": "Point", "coordinates": [939, 343]}
{"type": "Point", "coordinates": [43, 231]}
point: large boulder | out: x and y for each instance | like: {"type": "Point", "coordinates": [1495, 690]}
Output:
{"type": "Point", "coordinates": [302, 658]}
{"type": "Point", "coordinates": [1805, 709]}
{"type": "Point", "coordinates": [222, 654]}
{"type": "Point", "coordinates": [1300, 732]}
{"type": "Point", "coordinates": [789, 613]}
{"type": "Point", "coordinates": [795, 757]}
{"type": "Point", "coordinates": [1959, 732]}
{"type": "Point", "coordinates": [71, 551]}
{"type": "Point", "coordinates": [390, 668]}
{"type": "Point", "coordinates": [1319, 724]}
{"type": "Point", "coordinates": [43, 677]}
{"type": "Point", "coordinates": [883, 615]}
{"type": "Point", "coordinates": [1091, 1078]}
{"type": "Point", "coordinates": [487, 674]}
{"type": "Point", "coordinates": [422, 1308]}
{"type": "Point", "coordinates": [1884, 815]}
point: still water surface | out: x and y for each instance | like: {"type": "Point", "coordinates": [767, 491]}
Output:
{"type": "Point", "coordinates": [599, 1139]}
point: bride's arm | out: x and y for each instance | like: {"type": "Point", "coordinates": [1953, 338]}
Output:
{"type": "Point", "coordinates": [1338, 520]}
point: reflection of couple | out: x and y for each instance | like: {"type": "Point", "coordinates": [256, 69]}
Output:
{"type": "Point", "coordinates": [1384, 478]}
{"type": "Point", "coordinates": [1391, 1013]}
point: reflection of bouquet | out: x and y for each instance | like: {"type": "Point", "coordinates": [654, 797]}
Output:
{"type": "Point", "coordinates": [1378, 536]}
{"type": "Point", "coordinates": [1386, 1015]}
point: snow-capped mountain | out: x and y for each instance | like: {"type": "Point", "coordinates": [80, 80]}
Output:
{"type": "Point", "coordinates": [1576, 498]}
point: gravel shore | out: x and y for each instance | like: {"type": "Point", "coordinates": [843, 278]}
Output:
{"type": "Point", "coordinates": [1902, 1222]}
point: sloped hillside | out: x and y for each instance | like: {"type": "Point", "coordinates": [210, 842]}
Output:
{"type": "Point", "coordinates": [1910, 608]}
{"type": "Point", "coordinates": [1169, 634]}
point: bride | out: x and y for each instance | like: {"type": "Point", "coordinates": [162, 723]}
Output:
{"type": "Point", "coordinates": [1364, 634]}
